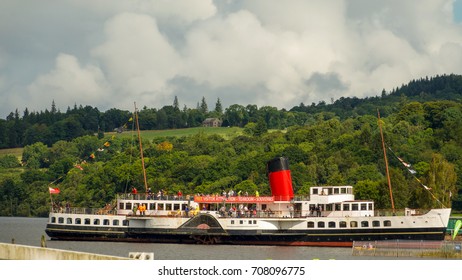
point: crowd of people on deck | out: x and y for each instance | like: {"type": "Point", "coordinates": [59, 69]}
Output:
{"type": "Point", "coordinates": [162, 194]}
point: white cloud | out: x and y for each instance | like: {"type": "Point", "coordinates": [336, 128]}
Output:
{"type": "Point", "coordinates": [137, 58]}
{"type": "Point", "coordinates": [178, 11]}
{"type": "Point", "coordinates": [69, 83]}
{"type": "Point", "coordinates": [263, 52]}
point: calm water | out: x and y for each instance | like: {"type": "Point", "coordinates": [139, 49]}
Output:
{"type": "Point", "coordinates": [28, 231]}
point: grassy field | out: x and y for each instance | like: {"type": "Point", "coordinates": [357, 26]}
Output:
{"type": "Point", "coordinates": [15, 151]}
{"type": "Point", "coordinates": [225, 132]}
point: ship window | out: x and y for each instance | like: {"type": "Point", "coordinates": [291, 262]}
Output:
{"type": "Point", "coordinates": [336, 191]}
{"type": "Point", "coordinates": [125, 222]}
{"type": "Point", "coordinates": [387, 223]}
{"type": "Point", "coordinates": [338, 207]}
{"type": "Point", "coordinates": [176, 206]}
{"type": "Point", "coordinates": [128, 206]}
{"type": "Point", "coordinates": [87, 221]}
{"type": "Point", "coordinates": [343, 190]}
{"type": "Point", "coordinates": [106, 222]}
{"type": "Point", "coordinates": [353, 224]}
{"type": "Point", "coordinates": [183, 206]}
{"type": "Point", "coordinates": [250, 222]}
{"type": "Point", "coordinates": [115, 222]}
{"type": "Point", "coordinates": [370, 206]}
{"type": "Point", "coordinates": [363, 206]}
{"type": "Point", "coordinates": [160, 206]}
{"type": "Point", "coordinates": [375, 223]}
{"type": "Point", "coordinates": [254, 222]}
{"type": "Point", "coordinates": [152, 206]}
{"type": "Point", "coordinates": [364, 224]}
{"type": "Point", "coordinates": [354, 206]}
{"type": "Point", "coordinates": [310, 225]}
{"type": "Point", "coordinates": [331, 224]}
{"type": "Point", "coordinates": [315, 191]}
{"type": "Point", "coordinates": [96, 221]}
{"type": "Point", "coordinates": [69, 221]}
{"type": "Point", "coordinates": [168, 206]}
{"type": "Point", "coordinates": [343, 224]}
{"type": "Point", "coordinates": [346, 207]}
{"type": "Point", "coordinates": [61, 220]}
{"type": "Point", "coordinates": [241, 222]}
{"type": "Point", "coordinates": [232, 222]}
{"type": "Point", "coordinates": [53, 220]}
{"type": "Point", "coordinates": [321, 224]}
{"type": "Point", "coordinates": [78, 221]}
{"type": "Point", "coordinates": [121, 205]}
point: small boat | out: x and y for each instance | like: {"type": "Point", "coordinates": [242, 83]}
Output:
{"type": "Point", "coordinates": [328, 216]}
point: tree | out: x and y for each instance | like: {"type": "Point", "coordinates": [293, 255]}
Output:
{"type": "Point", "coordinates": [235, 116]}
{"type": "Point", "coordinates": [9, 161]}
{"type": "Point", "coordinates": [367, 189]}
{"type": "Point", "coordinates": [36, 155]}
{"type": "Point", "coordinates": [218, 107]}
{"type": "Point", "coordinates": [441, 179]}
{"type": "Point", "coordinates": [176, 104]}
{"type": "Point", "coordinates": [261, 127]}
{"type": "Point", "coordinates": [203, 106]}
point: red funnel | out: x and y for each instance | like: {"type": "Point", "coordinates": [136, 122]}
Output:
{"type": "Point", "coordinates": [280, 179]}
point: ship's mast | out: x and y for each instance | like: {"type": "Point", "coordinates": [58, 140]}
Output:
{"type": "Point", "coordinates": [141, 149]}
{"type": "Point", "coordinates": [386, 163]}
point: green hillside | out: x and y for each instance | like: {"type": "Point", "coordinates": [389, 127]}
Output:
{"type": "Point", "coordinates": [336, 144]}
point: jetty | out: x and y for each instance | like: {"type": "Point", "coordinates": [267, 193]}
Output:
{"type": "Point", "coordinates": [409, 249]}
{"type": "Point", "coordinates": [23, 252]}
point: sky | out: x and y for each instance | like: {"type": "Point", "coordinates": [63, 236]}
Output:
{"type": "Point", "coordinates": [110, 54]}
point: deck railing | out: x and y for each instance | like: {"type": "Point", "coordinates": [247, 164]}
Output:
{"type": "Point", "coordinates": [408, 249]}
{"type": "Point", "coordinates": [86, 211]}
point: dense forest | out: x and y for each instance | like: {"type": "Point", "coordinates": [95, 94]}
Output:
{"type": "Point", "coordinates": [51, 125]}
{"type": "Point", "coordinates": [327, 144]}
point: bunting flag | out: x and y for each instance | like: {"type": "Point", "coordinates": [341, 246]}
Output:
{"type": "Point", "coordinates": [53, 190]}
{"type": "Point", "coordinates": [404, 163]}
{"type": "Point", "coordinates": [413, 172]}
{"type": "Point", "coordinates": [107, 144]}
{"type": "Point", "coordinates": [407, 165]}
{"type": "Point", "coordinates": [425, 187]}
{"type": "Point", "coordinates": [457, 226]}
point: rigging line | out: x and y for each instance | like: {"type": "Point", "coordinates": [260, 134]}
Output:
{"type": "Point", "coordinates": [55, 180]}
{"type": "Point", "coordinates": [417, 179]}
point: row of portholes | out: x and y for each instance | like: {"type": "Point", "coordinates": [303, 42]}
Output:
{"type": "Point", "coordinates": [343, 224]}
{"type": "Point", "coordinates": [88, 221]}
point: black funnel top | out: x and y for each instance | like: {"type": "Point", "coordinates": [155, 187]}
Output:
{"type": "Point", "coordinates": [278, 164]}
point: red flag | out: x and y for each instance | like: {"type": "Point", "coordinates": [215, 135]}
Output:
{"type": "Point", "coordinates": [53, 190]}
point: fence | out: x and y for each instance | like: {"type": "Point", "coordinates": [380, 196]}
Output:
{"type": "Point", "coordinates": [409, 249]}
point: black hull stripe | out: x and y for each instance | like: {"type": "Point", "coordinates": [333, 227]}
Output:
{"type": "Point", "coordinates": [240, 238]}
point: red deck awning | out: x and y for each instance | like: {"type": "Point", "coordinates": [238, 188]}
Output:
{"type": "Point", "coordinates": [233, 199]}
